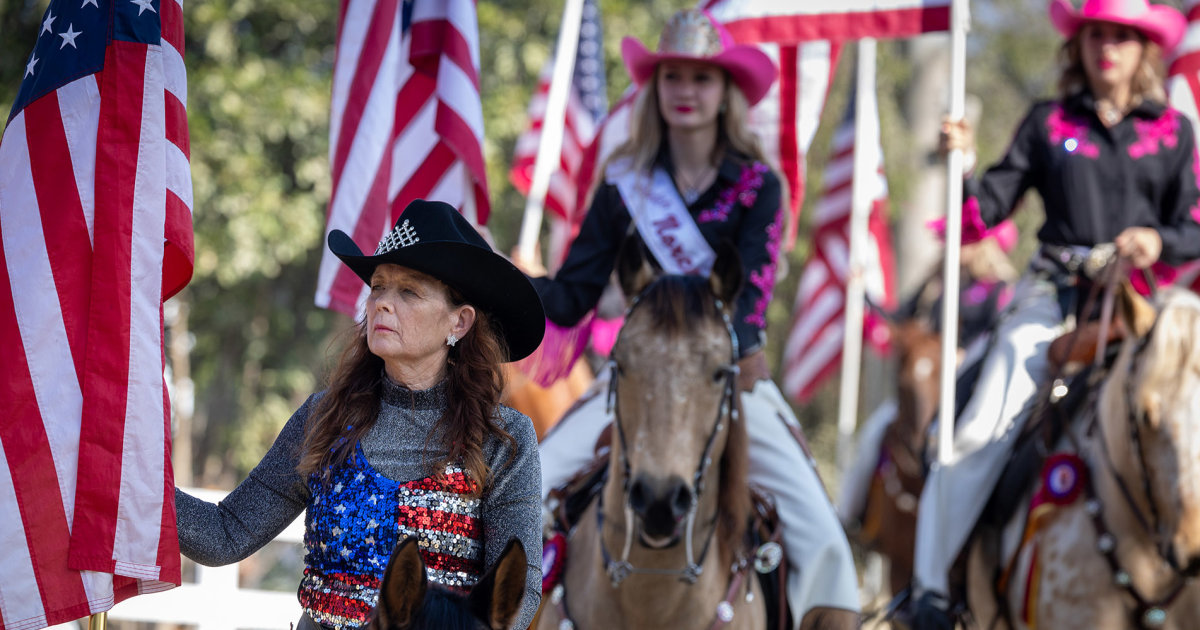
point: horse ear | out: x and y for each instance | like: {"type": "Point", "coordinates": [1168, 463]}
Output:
{"type": "Point", "coordinates": [404, 585]}
{"type": "Point", "coordinates": [634, 268]}
{"type": "Point", "coordinates": [726, 278]}
{"type": "Point", "coordinates": [497, 597]}
{"type": "Point", "coordinates": [1136, 312]}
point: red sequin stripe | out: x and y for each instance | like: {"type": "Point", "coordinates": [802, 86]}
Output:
{"type": "Point", "coordinates": [426, 519]}
{"type": "Point", "coordinates": [450, 563]}
{"type": "Point", "coordinates": [337, 599]}
{"type": "Point", "coordinates": [456, 482]}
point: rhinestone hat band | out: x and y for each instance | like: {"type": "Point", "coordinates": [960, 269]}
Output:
{"type": "Point", "coordinates": [402, 235]}
{"type": "Point", "coordinates": [690, 33]}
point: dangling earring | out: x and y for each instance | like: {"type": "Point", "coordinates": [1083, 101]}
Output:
{"type": "Point", "coordinates": [451, 340]}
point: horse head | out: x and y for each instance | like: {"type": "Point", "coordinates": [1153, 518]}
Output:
{"type": "Point", "coordinates": [918, 351]}
{"type": "Point", "coordinates": [408, 602]}
{"type": "Point", "coordinates": [676, 406]}
{"type": "Point", "coordinates": [1148, 415]}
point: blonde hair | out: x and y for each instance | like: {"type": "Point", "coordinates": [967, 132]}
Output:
{"type": "Point", "coordinates": [1147, 83]}
{"type": "Point", "coordinates": [647, 129]}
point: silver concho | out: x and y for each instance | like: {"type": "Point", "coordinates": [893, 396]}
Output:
{"type": "Point", "coordinates": [767, 557]}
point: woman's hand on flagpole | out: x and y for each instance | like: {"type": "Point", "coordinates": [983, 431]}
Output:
{"type": "Point", "coordinates": [958, 134]}
{"type": "Point", "coordinates": [532, 267]}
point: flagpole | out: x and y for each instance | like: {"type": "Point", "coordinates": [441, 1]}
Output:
{"type": "Point", "coordinates": [866, 162]}
{"type": "Point", "coordinates": [550, 142]}
{"type": "Point", "coordinates": [959, 22]}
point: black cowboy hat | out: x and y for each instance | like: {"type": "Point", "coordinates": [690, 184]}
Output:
{"type": "Point", "coordinates": [434, 238]}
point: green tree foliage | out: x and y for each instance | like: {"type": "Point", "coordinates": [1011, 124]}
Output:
{"type": "Point", "coordinates": [259, 80]}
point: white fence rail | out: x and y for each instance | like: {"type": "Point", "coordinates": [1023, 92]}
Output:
{"type": "Point", "coordinates": [216, 600]}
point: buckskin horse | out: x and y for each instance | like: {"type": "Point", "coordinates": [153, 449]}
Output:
{"type": "Point", "coordinates": [1114, 540]}
{"type": "Point", "coordinates": [656, 549]}
{"type": "Point", "coordinates": [408, 602]}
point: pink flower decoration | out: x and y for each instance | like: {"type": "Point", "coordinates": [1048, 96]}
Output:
{"type": "Point", "coordinates": [764, 278]}
{"type": "Point", "coordinates": [1151, 133]}
{"type": "Point", "coordinates": [745, 192]}
{"type": "Point", "coordinates": [1071, 133]}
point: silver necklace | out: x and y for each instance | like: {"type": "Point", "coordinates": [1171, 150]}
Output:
{"type": "Point", "coordinates": [691, 190]}
{"type": "Point", "coordinates": [1109, 114]}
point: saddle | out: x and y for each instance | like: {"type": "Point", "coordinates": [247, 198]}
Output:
{"type": "Point", "coordinates": [569, 501]}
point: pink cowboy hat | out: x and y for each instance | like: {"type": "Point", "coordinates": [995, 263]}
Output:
{"type": "Point", "coordinates": [1162, 24]}
{"type": "Point", "coordinates": [694, 35]}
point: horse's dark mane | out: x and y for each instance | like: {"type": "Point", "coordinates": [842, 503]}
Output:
{"type": "Point", "coordinates": [442, 609]}
{"type": "Point", "coordinates": [676, 304]}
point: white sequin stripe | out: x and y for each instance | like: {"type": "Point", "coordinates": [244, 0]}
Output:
{"type": "Point", "coordinates": [447, 543]}
{"type": "Point", "coordinates": [447, 502]}
{"type": "Point", "coordinates": [455, 579]}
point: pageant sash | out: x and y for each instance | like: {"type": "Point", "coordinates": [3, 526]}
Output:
{"type": "Point", "coordinates": [662, 219]}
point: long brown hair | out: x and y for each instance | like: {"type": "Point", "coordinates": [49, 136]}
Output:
{"type": "Point", "coordinates": [1147, 83]}
{"type": "Point", "coordinates": [350, 407]}
{"type": "Point", "coordinates": [648, 130]}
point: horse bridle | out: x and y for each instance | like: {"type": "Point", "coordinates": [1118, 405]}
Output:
{"type": "Point", "coordinates": [619, 570]}
{"type": "Point", "coordinates": [1148, 614]}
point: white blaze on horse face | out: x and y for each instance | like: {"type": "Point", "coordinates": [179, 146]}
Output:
{"type": "Point", "coordinates": [680, 398]}
{"type": "Point", "coordinates": [923, 368]}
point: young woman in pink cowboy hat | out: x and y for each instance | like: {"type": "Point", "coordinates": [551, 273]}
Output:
{"type": "Point", "coordinates": [691, 153]}
{"type": "Point", "coordinates": [1113, 164]}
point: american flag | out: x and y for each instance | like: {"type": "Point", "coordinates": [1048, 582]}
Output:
{"type": "Point", "coordinates": [95, 232]}
{"type": "Point", "coordinates": [587, 103]}
{"type": "Point", "coordinates": [1183, 84]}
{"type": "Point", "coordinates": [814, 345]}
{"type": "Point", "coordinates": [805, 39]}
{"type": "Point", "coordinates": [406, 123]}
{"type": "Point", "coordinates": [775, 21]}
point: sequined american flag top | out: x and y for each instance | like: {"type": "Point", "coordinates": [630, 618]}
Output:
{"type": "Point", "coordinates": [360, 515]}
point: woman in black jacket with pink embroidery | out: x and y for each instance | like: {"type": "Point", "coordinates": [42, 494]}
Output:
{"type": "Point", "coordinates": [1113, 164]}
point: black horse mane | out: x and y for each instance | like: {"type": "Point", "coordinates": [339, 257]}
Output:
{"type": "Point", "coordinates": [676, 303]}
{"type": "Point", "coordinates": [445, 610]}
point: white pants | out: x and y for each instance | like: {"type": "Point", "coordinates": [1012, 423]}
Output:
{"type": "Point", "coordinates": [821, 570]}
{"type": "Point", "coordinates": [856, 481]}
{"type": "Point", "coordinates": [955, 494]}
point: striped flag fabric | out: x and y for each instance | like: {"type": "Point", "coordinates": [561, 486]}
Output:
{"type": "Point", "coordinates": [95, 232]}
{"type": "Point", "coordinates": [587, 103]}
{"type": "Point", "coordinates": [786, 120]}
{"type": "Point", "coordinates": [1183, 82]}
{"type": "Point", "coordinates": [808, 36]}
{"type": "Point", "coordinates": [814, 345]}
{"type": "Point", "coordinates": [792, 22]}
{"type": "Point", "coordinates": [406, 122]}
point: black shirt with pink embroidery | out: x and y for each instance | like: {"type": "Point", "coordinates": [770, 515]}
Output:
{"type": "Point", "coordinates": [743, 205]}
{"type": "Point", "coordinates": [1096, 181]}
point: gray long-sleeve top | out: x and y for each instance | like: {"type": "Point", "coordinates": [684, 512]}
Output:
{"type": "Point", "coordinates": [402, 445]}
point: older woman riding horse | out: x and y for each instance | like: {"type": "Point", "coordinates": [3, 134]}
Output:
{"type": "Point", "coordinates": [656, 550]}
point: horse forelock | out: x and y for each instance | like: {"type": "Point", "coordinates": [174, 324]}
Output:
{"type": "Point", "coordinates": [676, 303]}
